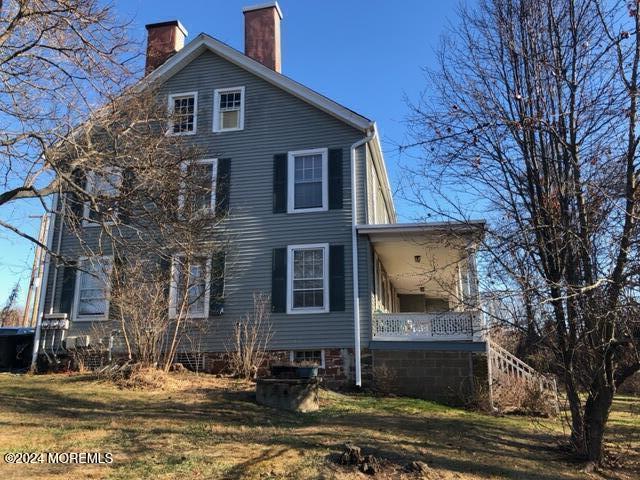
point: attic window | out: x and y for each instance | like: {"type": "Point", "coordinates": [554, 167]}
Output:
{"type": "Point", "coordinates": [183, 108]}
{"type": "Point", "coordinates": [228, 109]}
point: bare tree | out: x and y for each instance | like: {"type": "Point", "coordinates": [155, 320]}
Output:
{"type": "Point", "coordinates": [247, 351]}
{"type": "Point", "coordinates": [531, 117]}
{"type": "Point", "coordinates": [9, 315]}
{"type": "Point", "coordinates": [158, 210]}
{"type": "Point", "coordinates": [58, 60]}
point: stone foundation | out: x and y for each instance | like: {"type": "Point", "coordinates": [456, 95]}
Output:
{"type": "Point", "coordinates": [338, 371]}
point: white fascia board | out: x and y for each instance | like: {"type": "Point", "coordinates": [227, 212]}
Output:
{"type": "Point", "coordinates": [378, 158]}
{"type": "Point", "coordinates": [472, 226]}
{"type": "Point", "coordinates": [203, 41]}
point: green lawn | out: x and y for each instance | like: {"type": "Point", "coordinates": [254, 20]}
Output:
{"type": "Point", "coordinates": [205, 427]}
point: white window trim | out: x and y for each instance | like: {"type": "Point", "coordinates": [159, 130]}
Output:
{"type": "Point", "coordinates": [195, 113]}
{"type": "Point", "coordinates": [325, 279]}
{"type": "Point", "coordinates": [291, 180]}
{"type": "Point", "coordinates": [76, 292]}
{"type": "Point", "coordinates": [86, 206]}
{"type": "Point", "coordinates": [173, 289]}
{"type": "Point", "coordinates": [292, 355]}
{"type": "Point", "coordinates": [217, 128]}
{"type": "Point", "coordinates": [214, 182]}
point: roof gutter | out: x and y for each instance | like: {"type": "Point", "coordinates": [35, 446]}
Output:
{"type": "Point", "coordinates": [354, 252]}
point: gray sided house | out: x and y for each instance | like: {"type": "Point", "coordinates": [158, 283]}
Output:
{"type": "Point", "coordinates": [312, 223]}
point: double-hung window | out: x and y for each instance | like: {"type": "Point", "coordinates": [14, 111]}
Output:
{"type": "Point", "coordinates": [183, 108]}
{"type": "Point", "coordinates": [92, 289]}
{"type": "Point", "coordinates": [228, 109]}
{"type": "Point", "coordinates": [190, 287]}
{"type": "Point", "coordinates": [200, 177]}
{"type": "Point", "coordinates": [308, 279]}
{"type": "Point", "coordinates": [308, 188]}
{"type": "Point", "coordinates": [103, 188]}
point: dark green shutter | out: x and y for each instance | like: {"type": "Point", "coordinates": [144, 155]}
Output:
{"type": "Point", "coordinates": [336, 278]}
{"type": "Point", "coordinates": [222, 186]}
{"type": "Point", "coordinates": [216, 287]}
{"type": "Point", "coordinates": [164, 267]}
{"type": "Point", "coordinates": [125, 211]}
{"type": "Point", "coordinates": [280, 183]}
{"type": "Point", "coordinates": [76, 204]}
{"type": "Point", "coordinates": [335, 178]}
{"type": "Point", "coordinates": [279, 281]}
{"type": "Point", "coordinates": [69, 272]}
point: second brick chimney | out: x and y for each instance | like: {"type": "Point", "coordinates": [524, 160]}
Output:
{"type": "Point", "coordinates": [164, 39]}
{"type": "Point", "coordinates": [262, 34]}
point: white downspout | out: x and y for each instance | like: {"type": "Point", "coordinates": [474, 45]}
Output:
{"type": "Point", "coordinates": [354, 252]}
{"type": "Point", "coordinates": [43, 282]}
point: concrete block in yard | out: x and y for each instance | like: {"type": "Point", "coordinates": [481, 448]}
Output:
{"type": "Point", "coordinates": [295, 395]}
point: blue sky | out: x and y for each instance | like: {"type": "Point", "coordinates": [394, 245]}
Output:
{"type": "Point", "coordinates": [365, 54]}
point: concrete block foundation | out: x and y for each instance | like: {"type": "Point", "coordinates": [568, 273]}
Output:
{"type": "Point", "coordinates": [449, 377]}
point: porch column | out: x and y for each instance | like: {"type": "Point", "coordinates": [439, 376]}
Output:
{"type": "Point", "coordinates": [477, 319]}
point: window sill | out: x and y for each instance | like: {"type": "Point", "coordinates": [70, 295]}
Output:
{"type": "Point", "coordinates": [87, 319]}
{"type": "Point", "coordinates": [200, 316]}
{"type": "Point", "coordinates": [306, 311]}
{"type": "Point", "coordinates": [181, 134]}
{"type": "Point", "coordinates": [308, 210]}
{"type": "Point", "coordinates": [88, 224]}
{"type": "Point", "coordinates": [227, 130]}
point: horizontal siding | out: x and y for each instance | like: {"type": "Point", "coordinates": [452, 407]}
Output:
{"type": "Point", "coordinates": [274, 122]}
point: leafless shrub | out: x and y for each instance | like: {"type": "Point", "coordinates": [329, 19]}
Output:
{"type": "Point", "coordinates": [479, 399]}
{"type": "Point", "coordinates": [251, 337]}
{"type": "Point", "coordinates": [631, 385]}
{"type": "Point", "coordinates": [521, 396]}
{"type": "Point", "coordinates": [139, 296]}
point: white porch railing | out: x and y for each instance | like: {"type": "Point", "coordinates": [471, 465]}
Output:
{"type": "Point", "coordinates": [426, 326]}
{"type": "Point", "coordinates": [504, 367]}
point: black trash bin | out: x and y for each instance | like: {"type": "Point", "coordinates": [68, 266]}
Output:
{"type": "Point", "coordinates": [16, 347]}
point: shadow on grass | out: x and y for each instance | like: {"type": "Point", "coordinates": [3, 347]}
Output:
{"type": "Point", "coordinates": [462, 444]}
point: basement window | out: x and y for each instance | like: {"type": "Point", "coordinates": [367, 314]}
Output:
{"type": "Point", "coordinates": [228, 109]}
{"type": "Point", "coordinates": [307, 356]}
{"type": "Point", "coordinates": [183, 108]}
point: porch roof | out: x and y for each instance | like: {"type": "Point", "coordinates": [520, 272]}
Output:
{"type": "Point", "coordinates": [423, 258]}
{"type": "Point", "coordinates": [427, 228]}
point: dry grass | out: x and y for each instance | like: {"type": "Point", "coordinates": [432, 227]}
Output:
{"type": "Point", "coordinates": [207, 428]}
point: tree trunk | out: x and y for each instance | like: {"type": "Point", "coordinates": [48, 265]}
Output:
{"type": "Point", "coordinates": [577, 425]}
{"type": "Point", "coordinates": [596, 413]}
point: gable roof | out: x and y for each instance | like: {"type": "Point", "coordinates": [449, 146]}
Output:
{"type": "Point", "coordinates": [205, 42]}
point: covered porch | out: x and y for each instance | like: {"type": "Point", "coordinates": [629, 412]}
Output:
{"type": "Point", "coordinates": [425, 285]}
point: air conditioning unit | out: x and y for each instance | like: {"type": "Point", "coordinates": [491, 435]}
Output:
{"type": "Point", "coordinates": [83, 341]}
{"type": "Point", "coordinates": [70, 343]}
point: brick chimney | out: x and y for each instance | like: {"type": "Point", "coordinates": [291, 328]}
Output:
{"type": "Point", "coordinates": [163, 40]}
{"type": "Point", "coordinates": [262, 34]}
